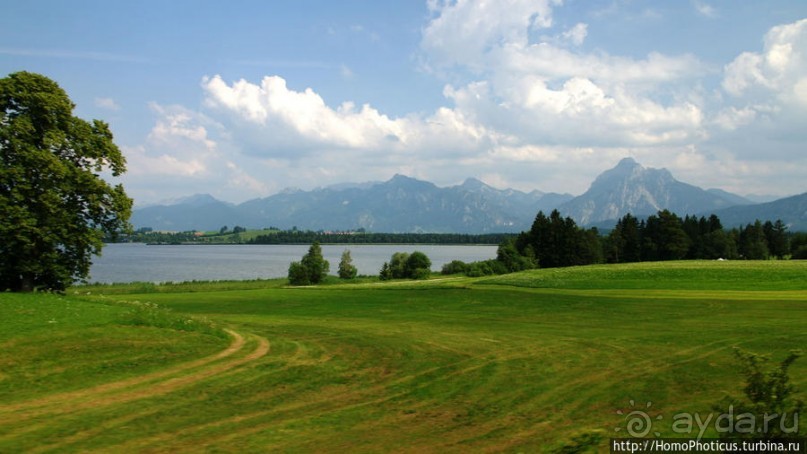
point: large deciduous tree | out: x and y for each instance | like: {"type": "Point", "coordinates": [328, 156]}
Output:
{"type": "Point", "coordinates": [418, 266]}
{"type": "Point", "coordinates": [55, 208]}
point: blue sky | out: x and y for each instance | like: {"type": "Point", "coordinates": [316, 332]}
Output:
{"type": "Point", "coordinates": [242, 99]}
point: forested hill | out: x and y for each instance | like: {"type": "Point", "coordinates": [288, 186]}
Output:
{"type": "Point", "coordinates": [791, 210]}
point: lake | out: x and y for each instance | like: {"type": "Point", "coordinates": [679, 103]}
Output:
{"type": "Point", "coordinates": [134, 262]}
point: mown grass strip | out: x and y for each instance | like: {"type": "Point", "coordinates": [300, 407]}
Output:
{"type": "Point", "coordinates": [459, 365]}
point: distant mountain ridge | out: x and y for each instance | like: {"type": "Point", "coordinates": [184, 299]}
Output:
{"type": "Point", "coordinates": [791, 210]}
{"type": "Point", "coordinates": [403, 204]}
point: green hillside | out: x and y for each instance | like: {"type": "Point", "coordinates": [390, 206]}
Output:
{"type": "Point", "coordinates": [516, 363]}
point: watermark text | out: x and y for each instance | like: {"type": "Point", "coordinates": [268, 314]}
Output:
{"type": "Point", "coordinates": [704, 445]}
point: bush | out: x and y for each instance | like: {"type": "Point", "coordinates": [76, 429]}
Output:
{"type": "Point", "coordinates": [421, 273]}
{"type": "Point", "coordinates": [498, 267]}
{"type": "Point", "coordinates": [478, 269]}
{"type": "Point", "coordinates": [415, 264]}
{"type": "Point", "coordinates": [486, 268]}
{"type": "Point", "coordinates": [397, 265]}
{"type": "Point", "coordinates": [769, 397]}
{"type": "Point", "coordinates": [455, 267]}
{"type": "Point", "coordinates": [508, 256]}
{"type": "Point", "coordinates": [406, 266]}
{"type": "Point", "coordinates": [298, 274]}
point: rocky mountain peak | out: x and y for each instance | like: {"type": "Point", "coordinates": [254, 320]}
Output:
{"type": "Point", "coordinates": [631, 188]}
{"type": "Point", "coordinates": [473, 184]}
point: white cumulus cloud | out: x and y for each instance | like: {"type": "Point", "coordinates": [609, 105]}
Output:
{"type": "Point", "coordinates": [464, 31]}
{"type": "Point", "coordinates": [282, 119]}
{"type": "Point", "coordinates": [273, 120]}
{"type": "Point", "coordinates": [767, 99]}
{"type": "Point", "coordinates": [779, 69]}
{"type": "Point", "coordinates": [542, 91]}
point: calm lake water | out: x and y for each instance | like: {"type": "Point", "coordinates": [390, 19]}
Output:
{"type": "Point", "coordinates": [129, 262]}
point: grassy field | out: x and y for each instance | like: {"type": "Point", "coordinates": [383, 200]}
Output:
{"type": "Point", "coordinates": [516, 363]}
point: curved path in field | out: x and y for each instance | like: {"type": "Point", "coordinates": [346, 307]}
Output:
{"type": "Point", "coordinates": [141, 387]}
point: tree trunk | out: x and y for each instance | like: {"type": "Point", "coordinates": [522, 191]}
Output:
{"type": "Point", "coordinates": [26, 283]}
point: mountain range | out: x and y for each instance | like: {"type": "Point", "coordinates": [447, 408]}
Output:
{"type": "Point", "coordinates": [404, 204]}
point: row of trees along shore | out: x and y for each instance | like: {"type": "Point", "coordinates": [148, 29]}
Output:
{"type": "Point", "coordinates": [555, 241]}
{"type": "Point", "coordinates": [361, 237]}
{"type": "Point", "coordinates": [294, 236]}
{"type": "Point", "coordinates": [313, 268]}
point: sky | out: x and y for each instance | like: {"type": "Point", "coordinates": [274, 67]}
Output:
{"type": "Point", "coordinates": [243, 99]}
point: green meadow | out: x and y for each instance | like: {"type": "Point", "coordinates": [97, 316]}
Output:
{"type": "Point", "coordinates": [526, 362]}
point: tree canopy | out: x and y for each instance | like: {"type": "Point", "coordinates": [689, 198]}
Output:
{"type": "Point", "coordinates": [403, 265]}
{"type": "Point", "coordinates": [56, 208]}
{"type": "Point", "coordinates": [346, 268]}
{"type": "Point", "coordinates": [312, 269]}
{"type": "Point", "coordinates": [556, 241]}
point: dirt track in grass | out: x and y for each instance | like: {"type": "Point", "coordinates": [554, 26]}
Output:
{"type": "Point", "coordinates": [141, 387]}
